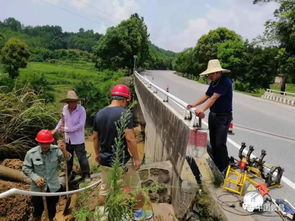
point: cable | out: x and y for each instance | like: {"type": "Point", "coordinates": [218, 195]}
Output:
{"type": "Point", "coordinates": [237, 212]}
{"type": "Point", "coordinates": [71, 12]}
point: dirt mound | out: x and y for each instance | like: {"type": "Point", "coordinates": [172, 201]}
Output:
{"type": "Point", "coordinates": [13, 163]}
{"type": "Point", "coordinates": [15, 207]}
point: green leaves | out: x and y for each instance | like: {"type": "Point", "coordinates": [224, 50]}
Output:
{"type": "Point", "coordinates": [207, 45]}
{"type": "Point", "coordinates": [14, 55]}
{"type": "Point", "coordinates": [118, 46]}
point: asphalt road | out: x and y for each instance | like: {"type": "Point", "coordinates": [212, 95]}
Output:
{"type": "Point", "coordinates": [264, 124]}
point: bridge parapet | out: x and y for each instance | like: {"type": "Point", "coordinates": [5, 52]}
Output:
{"type": "Point", "coordinates": [172, 136]}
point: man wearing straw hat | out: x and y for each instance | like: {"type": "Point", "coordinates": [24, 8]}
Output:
{"type": "Point", "coordinates": [72, 124]}
{"type": "Point", "coordinates": [218, 98]}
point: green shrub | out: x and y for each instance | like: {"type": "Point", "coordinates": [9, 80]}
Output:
{"type": "Point", "coordinates": [22, 115]}
{"type": "Point", "coordinates": [96, 92]}
{"type": "Point", "coordinates": [39, 85]}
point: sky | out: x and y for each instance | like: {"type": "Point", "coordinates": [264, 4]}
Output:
{"type": "Point", "coordinates": [172, 24]}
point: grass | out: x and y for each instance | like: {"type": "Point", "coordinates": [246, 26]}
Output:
{"type": "Point", "coordinates": [256, 93]}
{"type": "Point", "coordinates": [66, 75]}
{"type": "Point", "coordinates": [63, 76]}
{"type": "Point", "coordinates": [22, 115]}
{"type": "Point", "coordinates": [59, 77]}
{"type": "Point", "coordinates": [289, 87]}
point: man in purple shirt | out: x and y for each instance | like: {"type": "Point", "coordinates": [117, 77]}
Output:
{"type": "Point", "coordinates": [218, 98]}
{"type": "Point", "coordinates": [72, 124]}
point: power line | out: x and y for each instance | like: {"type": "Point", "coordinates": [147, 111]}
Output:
{"type": "Point", "coordinates": [72, 12]}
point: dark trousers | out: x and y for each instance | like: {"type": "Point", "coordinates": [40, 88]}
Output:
{"type": "Point", "coordinates": [51, 205]}
{"type": "Point", "coordinates": [218, 129]}
{"type": "Point", "coordinates": [79, 149]}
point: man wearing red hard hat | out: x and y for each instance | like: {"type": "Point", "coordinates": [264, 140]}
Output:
{"type": "Point", "coordinates": [104, 134]}
{"type": "Point", "coordinates": [41, 165]}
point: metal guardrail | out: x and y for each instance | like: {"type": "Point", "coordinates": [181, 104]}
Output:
{"type": "Point", "coordinates": [189, 114]}
{"type": "Point", "coordinates": [280, 92]}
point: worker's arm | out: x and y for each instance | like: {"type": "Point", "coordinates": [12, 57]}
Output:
{"type": "Point", "coordinates": [96, 145]}
{"type": "Point", "coordinates": [58, 127]}
{"type": "Point", "coordinates": [209, 103]}
{"type": "Point", "coordinates": [201, 100]}
{"type": "Point", "coordinates": [132, 146]}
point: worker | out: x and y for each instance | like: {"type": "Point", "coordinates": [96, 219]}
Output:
{"type": "Point", "coordinates": [72, 124]}
{"type": "Point", "coordinates": [104, 134]}
{"type": "Point", "coordinates": [218, 98]}
{"type": "Point", "coordinates": [41, 166]}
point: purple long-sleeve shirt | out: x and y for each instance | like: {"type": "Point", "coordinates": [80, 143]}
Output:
{"type": "Point", "coordinates": [74, 124]}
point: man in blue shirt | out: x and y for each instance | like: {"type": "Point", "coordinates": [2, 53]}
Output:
{"type": "Point", "coordinates": [104, 135]}
{"type": "Point", "coordinates": [218, 98]}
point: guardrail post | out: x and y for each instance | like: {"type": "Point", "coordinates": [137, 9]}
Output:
{"type": "Point", "coordinates": [167, 99]}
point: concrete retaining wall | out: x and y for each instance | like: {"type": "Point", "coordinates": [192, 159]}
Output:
{"type": "Point", "coordinates": [169, 137]}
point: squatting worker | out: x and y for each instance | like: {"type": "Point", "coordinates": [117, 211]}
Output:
{"type": "Point", "coordinates": [72, 124]}
{"type": "Point", "coordinates": [41, 165]}
{"type": "Point", "coordinates": [218, 98]}
{"type": "Point", "coordinates": [104, 134]}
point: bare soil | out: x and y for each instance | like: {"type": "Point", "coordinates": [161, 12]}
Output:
{"type": "Point", "coordinates": [13, 163]}
{"type": "Point", "coordinates": [15, 207]}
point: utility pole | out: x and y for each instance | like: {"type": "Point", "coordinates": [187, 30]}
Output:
{"type": "Point", "coordinates": [134, 62]}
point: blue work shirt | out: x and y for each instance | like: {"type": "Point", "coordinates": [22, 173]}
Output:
{"type": "Point", "coordinates": [38, 164]}
{"type": "Point", "coordinates": [222, 86]}
{"type": "Point", "coordinates": [105, 125]}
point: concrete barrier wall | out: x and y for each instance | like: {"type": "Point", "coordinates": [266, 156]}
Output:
{"type": "Point", "coordinates": [168, 137]}
{"type": "Point", "coordinates": [279, 98]}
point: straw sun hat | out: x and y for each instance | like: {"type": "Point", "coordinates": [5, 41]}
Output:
{"type": "Point", "coordinates": [213, 66]}
{"type": "Point", "coordinates": [71, 96]}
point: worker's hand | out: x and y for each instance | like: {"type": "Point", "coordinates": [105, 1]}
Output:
{"type": "Point", "coordinates": [61, 145]}
{"type": "Point", "coordinates": [137, 164]}
{"type": "Point", "coordinates": [200, 113]}
{"type": "Point", "coordinates": [189, 106]}
{"type": "Point", "coordinates": [53, 132]}
{"type": "Point", "coordinates": [97, 159]}
{"type": "Point", "coordinates": [62, 129]}
{"type": "Point", "coordinates": [40, 182]}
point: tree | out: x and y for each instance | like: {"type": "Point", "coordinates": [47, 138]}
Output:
{"type": "Point", "coordinates": [207, 45]}
{"type": "Point", "coordinates": [159, 58]}
{"type": "Point", "coordinates": [14, 55]}
{"type": "Point", "coordinates": [233, 56]}
{"type": "Point", "coordinates": [282, 29]}
{"type": "Point", "coordinates": [12, 23]}
{"type": "Point", "coordinates": [185, 62]}
{"type": "Point", "coordinates": [118, 46]}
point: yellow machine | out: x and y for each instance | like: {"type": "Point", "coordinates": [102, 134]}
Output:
{"type": "Point", "coordinates": [249, 170]}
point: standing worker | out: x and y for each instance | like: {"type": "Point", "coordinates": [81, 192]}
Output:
{"type": "Point", "coordinates": [72, 124]}
{"type": "Point", "coordinates": [218, 98]}
{"type": "Point", "coordinates": [41, 165]}
{"type": "Point", "coordinates": [104, 134]}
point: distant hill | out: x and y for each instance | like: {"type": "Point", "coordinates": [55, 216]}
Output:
{"type": "Point", "coordinates": [49, 37]}
{"type": "Point", "coordinates": [50, 42]}
{"type": "Point", "coordinates": [161, 58]}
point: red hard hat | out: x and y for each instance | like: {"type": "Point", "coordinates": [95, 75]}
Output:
{"type": "Point", "coordinates": [44, 136]}
{"type": "Point", "coordinates": [121, 90]}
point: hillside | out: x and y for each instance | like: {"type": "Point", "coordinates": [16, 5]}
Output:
{"type": "Point", "coordinates": [50, 42]}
